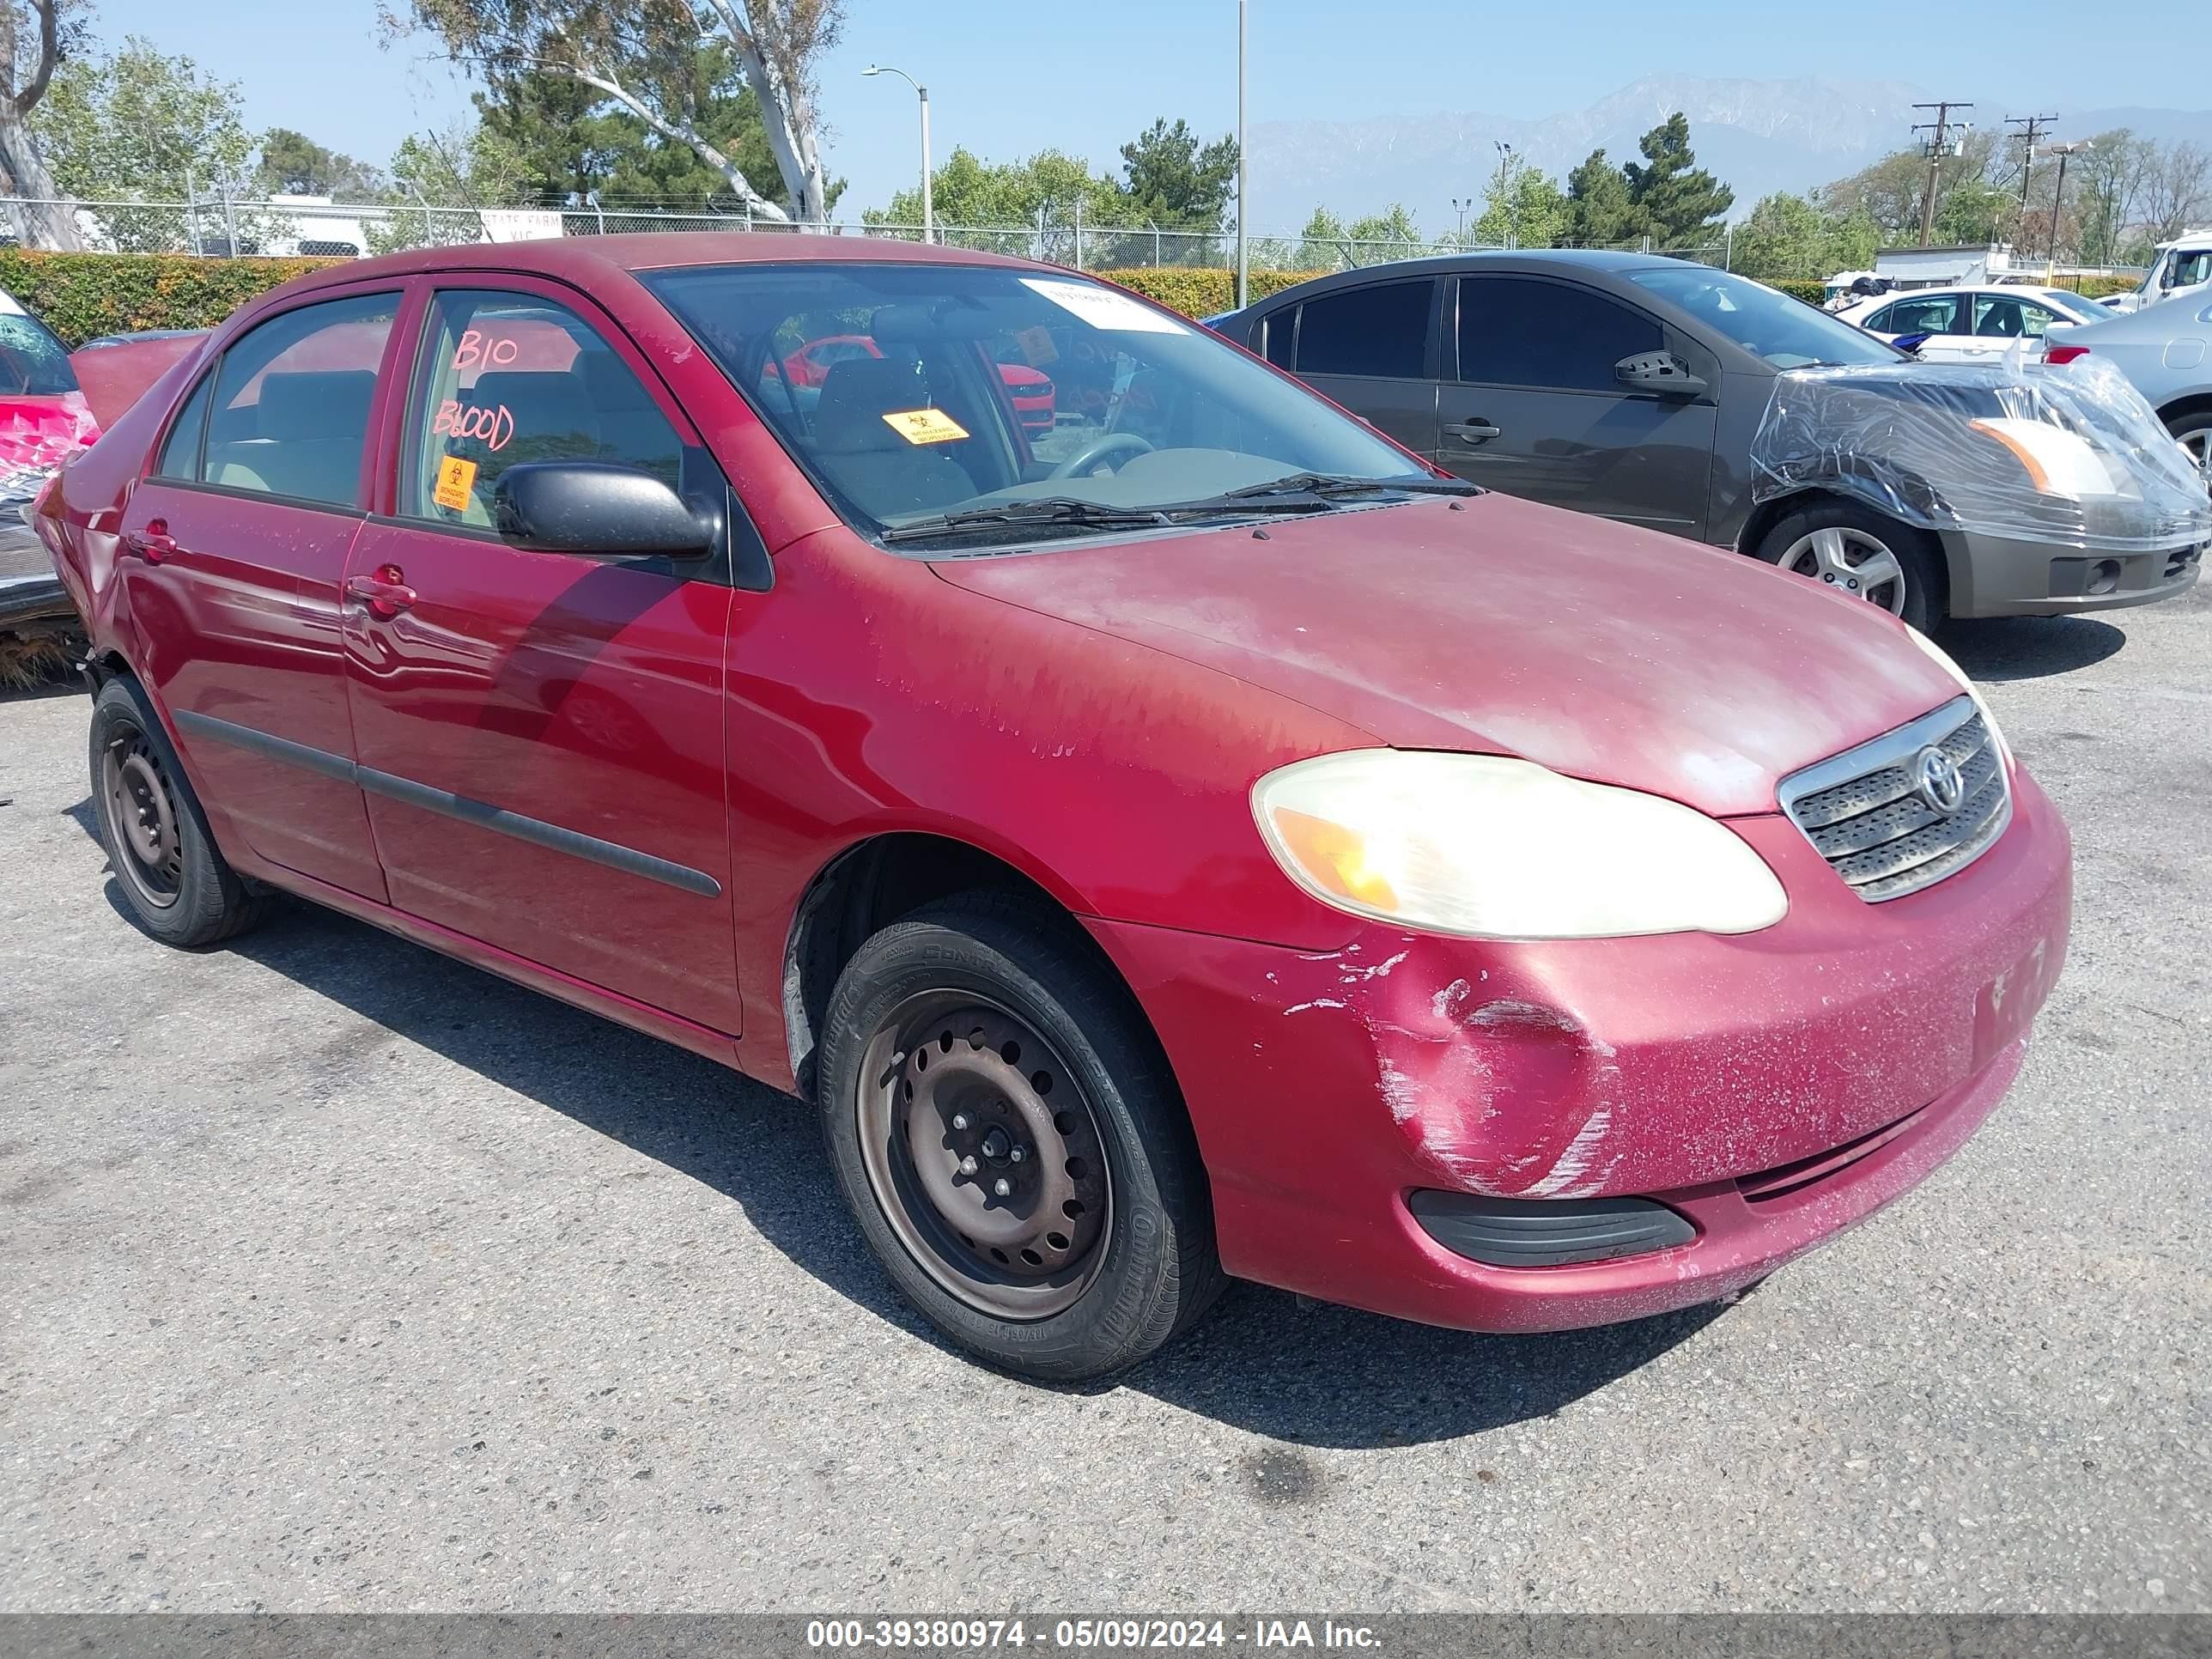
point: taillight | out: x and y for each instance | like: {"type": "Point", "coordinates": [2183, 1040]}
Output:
{"type": "Point", "coordinates": [2063, 354]}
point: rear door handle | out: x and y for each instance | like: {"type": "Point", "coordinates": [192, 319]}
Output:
{"type": "Point", "coordinates": [386, 593]}
{"type": "Point", "coordinates": [1471, 432]}
{"type": "Point", "coordinates": [154, 544]}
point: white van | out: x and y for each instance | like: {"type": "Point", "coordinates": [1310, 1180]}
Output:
{"type": "Point", "coordinates": [2184, 266]}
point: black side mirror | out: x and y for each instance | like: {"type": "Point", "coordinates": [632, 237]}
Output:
{"type": "Point", "coordinates": [1661, 372]}
{"type": "Point", "coordinates": [598, 510]}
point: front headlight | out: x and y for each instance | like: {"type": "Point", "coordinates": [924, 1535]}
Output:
{"type": "Point", "coordinates": [2057, 462]}
{"type": "Point", "coordinates": [1489, 848]}
{"type": "Point", "coordinates": [1941, 658]}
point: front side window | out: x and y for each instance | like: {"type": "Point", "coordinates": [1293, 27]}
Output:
{"type": "Point", "coordinates": [978, 389]}
{"type": "Point", "coordinates": [1516, 330]}
{"type": "Point", "coordinates": [290, 413]}
{"type": "Point", "coordinates": [2004, 317]}
{"type": "Point", "coordinates": [507, 378]}
{"type": "Point", "coordinates": [1782, 332]}
{"type": "Point", "coordinates": [1380, 330]}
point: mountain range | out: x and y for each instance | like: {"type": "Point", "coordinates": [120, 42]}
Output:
{"type": "Point", "coordinates": [1756, 136]}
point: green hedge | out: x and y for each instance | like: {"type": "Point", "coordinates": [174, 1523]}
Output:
{"type": "Point", "coordinates": [1201, 291]}
{"type": "Point", "coordinates": [81, 296]}
{"type": "Point", "coordinates": [1811, 292]}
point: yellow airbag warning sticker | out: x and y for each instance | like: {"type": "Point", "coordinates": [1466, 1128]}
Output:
{"type": "Point", "coordinates": [456, 477]}
{"type": "Point", "coordinates": [924, 426]}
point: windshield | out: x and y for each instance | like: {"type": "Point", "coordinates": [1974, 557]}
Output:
{"type": "Point", "coordinates": [914, 392]}
{"type": "Point", "coordinates": [32, 362]}
{"type": "Point", "coordinates": [2074, 305]}
{"type": "Point", "coordinates": [1786, 333]}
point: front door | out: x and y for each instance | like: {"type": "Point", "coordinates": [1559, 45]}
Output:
{"type": "Point", "coordinates": [540, 734]}
{"type": "Point", "coordinates": [1372, 348]}
{"type": "Point", "coordinates": [1535, 409]}
{"type": "Point", "coordinates": [232, 552]}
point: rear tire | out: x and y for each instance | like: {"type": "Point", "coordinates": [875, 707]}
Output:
{"type": "Point", "coordinates": [1009, 1136]}
{"type": "Point", "coordinates": [175, 884]}
{"type": "Point", "coordinates": [1857, 550]}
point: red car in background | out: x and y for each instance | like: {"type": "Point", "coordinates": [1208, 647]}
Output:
{"type": "Point", "coordinates": [1030, 389]}
{"type": "Point", "coordinates": [44, 422]}
{"type": "Point", "coordinates": [1229, 848]}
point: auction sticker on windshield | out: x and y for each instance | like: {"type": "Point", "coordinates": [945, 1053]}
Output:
{"type": "Point", "coordinates": [1102, 308]}
{"type": "Point", "coordinates": [924, 426]}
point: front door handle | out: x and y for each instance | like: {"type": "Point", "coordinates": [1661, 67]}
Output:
{"type": "Point", "coordinates": [154, 544]}
{"type": "Point", "coordinates": [386, 593]}
{"type": "Point", "coordinates": [1471, 432]}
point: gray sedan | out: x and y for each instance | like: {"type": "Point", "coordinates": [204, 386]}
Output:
{"type": "Point", "coordinates": [1633, 386]}
{"type": "Point", "coordinates": [2167, 350]}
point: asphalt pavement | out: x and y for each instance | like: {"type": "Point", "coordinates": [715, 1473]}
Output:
{"type": "Point", "coordinates": [340, 1276]}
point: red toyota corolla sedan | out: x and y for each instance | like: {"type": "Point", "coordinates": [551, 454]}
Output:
{"type": "Point", "coordinates": [1203, 840]}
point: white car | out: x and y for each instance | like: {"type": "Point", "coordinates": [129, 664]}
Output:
{"type": "Point", "coordinates": [2181, 271]}
{"type": "Point", "coordinates": [1972, 325]}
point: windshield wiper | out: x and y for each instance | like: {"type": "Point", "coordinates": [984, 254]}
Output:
{"type": "Point", "coordinates": [1051, 510]}
{"type": "Point", "coordinates": [1326, 484]}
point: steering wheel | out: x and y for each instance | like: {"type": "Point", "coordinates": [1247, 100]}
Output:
{"type": "Point", "coordinates": [1109, 443]}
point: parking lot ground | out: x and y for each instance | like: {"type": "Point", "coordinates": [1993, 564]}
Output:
{"type": "Point", "coordinates": [341, 1276]}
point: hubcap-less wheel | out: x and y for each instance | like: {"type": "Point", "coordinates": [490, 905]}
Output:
{"type": "Point", "coordinates": [983, 1155]}
{"type": "Point", "coordinates": [2196, 439]}
{"type": "Point", "coordinates": [1853, 560]}
{"type": "Point", "coordinates": [142, 816]}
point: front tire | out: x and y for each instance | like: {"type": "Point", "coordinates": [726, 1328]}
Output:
{"type": "Point", "coordinates": [1858, 552]}
{"type": "Point", "coordinates": [1011, 1143]}
{"type": "Point", "coordinates": [175, 884]}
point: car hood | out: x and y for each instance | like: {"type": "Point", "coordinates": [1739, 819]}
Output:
{"type": "Point", "coordinates": [1616, 654]}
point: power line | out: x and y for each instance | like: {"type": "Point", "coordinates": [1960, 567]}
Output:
{"type": "Point", "coordinates": [1937, 148]}
{"type": "Point", "coordinates": [2032, 127]}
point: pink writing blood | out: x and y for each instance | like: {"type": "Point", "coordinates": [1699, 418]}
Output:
{"type": "Point", "coordinates": [455, 419]}
{"type": "Point", "coordinates": [498, 351]}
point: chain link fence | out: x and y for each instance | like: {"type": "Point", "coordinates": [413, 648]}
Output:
{"type": "Point", "coordinates": [291, 227]}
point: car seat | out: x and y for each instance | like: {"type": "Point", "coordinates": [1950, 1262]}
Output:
{"type": "Point", "coordinates": [308, 432]}
{"type": "Point", "coordinates": [864, 458]}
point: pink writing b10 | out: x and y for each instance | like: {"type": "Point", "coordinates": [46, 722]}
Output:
{"type": "Point", "coordinates": [498, 351]}
{"type": "Point", "coordinates": [455, 419]}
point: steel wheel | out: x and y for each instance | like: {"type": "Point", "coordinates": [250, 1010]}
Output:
{"type": "Point", "coordinates": [1855, 560]}
{"type": "Point", "coordinates": [140, 805]}
{"type": "Point", "coordinates": [983, 1155]}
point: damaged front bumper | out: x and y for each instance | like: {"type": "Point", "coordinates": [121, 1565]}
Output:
{"type": "Point", "coordinates": [1768, 1089]}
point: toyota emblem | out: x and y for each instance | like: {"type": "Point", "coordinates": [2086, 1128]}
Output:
{"type": "Point", "coordinates": [1937, 781]}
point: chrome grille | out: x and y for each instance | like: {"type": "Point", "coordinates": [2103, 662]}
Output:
{"type": "Point", "coordinates": [1864, 811]}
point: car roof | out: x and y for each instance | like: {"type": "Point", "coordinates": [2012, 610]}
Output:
{"type": "Point", "coordinates": [1589, 260]}
{"type": "Point", "coordinates": [580, 260]}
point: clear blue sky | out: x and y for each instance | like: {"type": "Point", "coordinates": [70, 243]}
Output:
{"type": "Point", "coordinates": [1007, 77]}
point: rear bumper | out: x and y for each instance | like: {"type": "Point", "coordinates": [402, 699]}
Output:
{"type": "Point", "coordinates": [1772, 1089]}
{"type": "Point", "coordinates": [2000, 576]}
{"type": "Point", "coordinates": [31, 593]}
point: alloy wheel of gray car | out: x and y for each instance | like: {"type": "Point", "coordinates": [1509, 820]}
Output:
{"type": "Point", "coordinates": [2194, 432]}
{"type": "Point", "coordinates": [1852, 560]}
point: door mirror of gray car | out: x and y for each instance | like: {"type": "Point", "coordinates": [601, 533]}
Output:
{"type": "Point", "coordinates": [598, 510]}
{"type": "Point", "coordinates": [1661, 372]}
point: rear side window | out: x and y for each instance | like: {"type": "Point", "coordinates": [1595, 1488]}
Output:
{"type": "Point", "coordinates": [1380, 330]}
{"type": "Point", "coordinates": [181, 450]}
{"type": "Point", "coordinates": [511, 378]}
{"type": "Point", "coordinates": [33, 364]}
{"type": "Point", "coordinates": [1931, 316]}
{"type": "Point", "coordinates": [1515, 330]}
{"type": "Point", "coordinates": [289, 413]}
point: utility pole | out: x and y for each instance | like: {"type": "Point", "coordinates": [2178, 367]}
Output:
{"type": "Point", "coordinates": [2033, 128]}
{"type": "Point", "coordinates": [2058, 200]}
{"type": "Point", "coordinates": [1937, 148]}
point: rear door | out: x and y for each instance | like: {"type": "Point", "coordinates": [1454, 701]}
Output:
{"type": "Point", "coordinates": [234, 549]}
{"type": "Point", "coordinates": [540, 734]}
{"type": "Point", "coordinates": [1535, 408]}
{"type": "Point", "coordinates": [1941, 316]}
{"type": "Point", "coordinates": [1373, 350]}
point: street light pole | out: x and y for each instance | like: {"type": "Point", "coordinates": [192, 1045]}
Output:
{"type": "Point", "coordinates": [928, 207]}
{"type": "Point", "coordinates": [1243, 273]}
